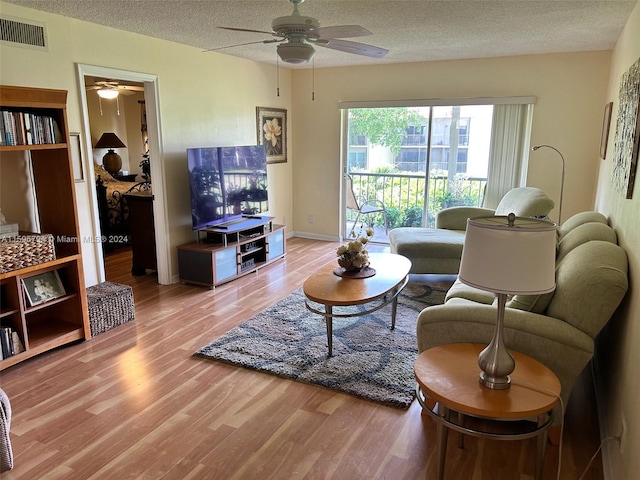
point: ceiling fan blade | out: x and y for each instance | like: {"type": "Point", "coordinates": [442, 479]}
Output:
{"type": "Point", "coordinates": [131, 88]}
{"type": "Point", "coordinates": [353, 47]}
{"type": "Point", "coordinates": [246, 30]}
{"type": "Point", "coordinates": [343, 31]}
{"type": "Point", "coordinates": [275, 40]}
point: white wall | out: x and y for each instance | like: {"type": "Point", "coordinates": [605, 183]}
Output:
{"type": "Point", "coordinates": [570, 90]}
{"type": "Point", "coordinates": [618, 349]}
{"type": "Point", "coordinates": [125, 124]}
{"type": "Point", "coordinates": [205, 99]}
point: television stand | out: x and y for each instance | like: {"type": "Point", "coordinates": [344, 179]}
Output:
{"type": "Point", "coordinates": [231, 251]}
{"type": "Point", "coordinates": [228, 224]}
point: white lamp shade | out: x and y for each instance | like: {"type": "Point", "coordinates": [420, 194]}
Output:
{"type": "Point", "coordinates": [517, 259]}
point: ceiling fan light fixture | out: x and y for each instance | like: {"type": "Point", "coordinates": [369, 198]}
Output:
{"type": "Point", "coordinates": [295, 52]}
{"type": "Point", "coordinates": [107, 93]}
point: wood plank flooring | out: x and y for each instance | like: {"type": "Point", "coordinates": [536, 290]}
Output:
{"type": "Point", "coordinates": [134, 403]}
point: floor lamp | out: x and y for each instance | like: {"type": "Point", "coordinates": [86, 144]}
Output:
{"type": "Point", "coordinates": [507, 255]}
{"type": "Point", "coordinates": [561, 181]}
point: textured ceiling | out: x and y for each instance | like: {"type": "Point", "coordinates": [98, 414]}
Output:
{"type": "Point", "coordinates": [412, 30]}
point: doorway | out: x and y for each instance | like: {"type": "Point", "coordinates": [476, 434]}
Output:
{"type": "Point", "coordinates": [87, 75]}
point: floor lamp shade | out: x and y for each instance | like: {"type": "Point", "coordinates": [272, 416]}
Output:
{"type": "Point", "coordinates": [111, 160]}
{"type": "Point", "coordinates": [507, 255]}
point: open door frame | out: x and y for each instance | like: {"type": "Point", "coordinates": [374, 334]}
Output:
{"type": "Point", "coordinates": [155, 157]}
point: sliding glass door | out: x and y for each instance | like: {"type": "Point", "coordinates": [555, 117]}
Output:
{"type": "Point", "coordinates": [415, 161]}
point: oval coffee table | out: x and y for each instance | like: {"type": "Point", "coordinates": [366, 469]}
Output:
{"type": "Point", "coordinates": [328, 289]}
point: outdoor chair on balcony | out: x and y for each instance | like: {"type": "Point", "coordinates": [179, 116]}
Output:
{"type": "Point", "coordinates": [364, 207]}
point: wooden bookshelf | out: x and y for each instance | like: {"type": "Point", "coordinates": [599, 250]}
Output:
{"type": "Point", "coordinates": [63, 319]}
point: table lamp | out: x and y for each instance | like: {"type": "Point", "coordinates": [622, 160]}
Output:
{"type": "Point", "coordinates": [111, 160]}
{"type": "Point", "coordinates": [506, 255]}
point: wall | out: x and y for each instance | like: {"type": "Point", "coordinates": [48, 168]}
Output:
{"type": "Point", "coordinates": [126, 125]}
{"type": "Point", "coordinates": [570, 90]}
{"type": "Point", "coordinates": [205, 99]}
{"type": "Point", "coordinates": [618, 349]}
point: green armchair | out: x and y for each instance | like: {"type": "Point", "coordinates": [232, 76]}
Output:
{"type": "Point", "coordinates": [557, 329]}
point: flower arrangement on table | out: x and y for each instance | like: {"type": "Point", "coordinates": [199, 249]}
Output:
{"type": "Point", "coordinates": [354, 256]}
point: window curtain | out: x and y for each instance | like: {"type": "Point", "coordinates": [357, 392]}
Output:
{"type": "Point", "coordinates": [509, 142]}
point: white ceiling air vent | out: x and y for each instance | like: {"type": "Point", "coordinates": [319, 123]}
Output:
{"type": "Point", "coordinates": [20, 33]}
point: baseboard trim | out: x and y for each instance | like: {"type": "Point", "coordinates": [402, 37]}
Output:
{"type": "Point", "coordinates": [315, 236]}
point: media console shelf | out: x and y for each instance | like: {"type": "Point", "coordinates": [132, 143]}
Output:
{"type": "Point", "coordinates": [230, 251]}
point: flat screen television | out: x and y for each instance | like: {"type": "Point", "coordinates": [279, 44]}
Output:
{"type": "Point", "coordinates": [227, 184]}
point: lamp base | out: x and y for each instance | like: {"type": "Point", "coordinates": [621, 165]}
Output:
{"type": "Point", "coordinates": [495, 361]}
{"type": "Point", "coordinates": [494, 383]}
{"type": "Point", "coordinates": [112, 162]}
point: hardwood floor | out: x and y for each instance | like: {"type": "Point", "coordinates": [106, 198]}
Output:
{"type": "Point", "coordinates": [134, 403]}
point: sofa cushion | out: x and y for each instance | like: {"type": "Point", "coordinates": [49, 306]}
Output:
{"type": "Point", "coordinates": [585, 233]}
{"type": "Point", "coordinates": [462, 290]}
{"type": "Point", "coordinates": [430, 250]}
{"type": "Point", "coordinates": [531, 303]}
{"type": "Point", "coordinates": [525, 202]}
{"type": "Point", "coordinates": [578, 219]}
{"type": "Point", "coordinates": [455, 218]}
{"type": "Point", "coordinates": [591, 281]}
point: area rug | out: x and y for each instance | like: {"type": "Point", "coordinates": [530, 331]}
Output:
{"type": "Point", "coordinates": [369, 359]}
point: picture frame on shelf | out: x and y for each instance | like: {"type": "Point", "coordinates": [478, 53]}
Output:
{"type": "Point", "coordinates": [42, 288]}
{"type": "Point", "coordinates": [75, 149]}
{"type": "Point", "coordinates": [271, 126]}
{"type": "Point", "coordinates": [606, 125]}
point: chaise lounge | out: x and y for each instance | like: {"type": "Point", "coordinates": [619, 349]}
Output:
{"type": "Point", "coordinates": [438, 250]}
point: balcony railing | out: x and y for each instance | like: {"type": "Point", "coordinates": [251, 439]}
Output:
{"type": "Point", "coordinates": [403, 195]}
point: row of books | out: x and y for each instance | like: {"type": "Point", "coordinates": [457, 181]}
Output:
{"type": "Point", "coordinates": [25, 128]}
{"type": "Point", "coordinates": [10, 341]}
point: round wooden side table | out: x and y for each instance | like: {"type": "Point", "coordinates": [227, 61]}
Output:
{"type": "Point", "coordinates": [448, 374]}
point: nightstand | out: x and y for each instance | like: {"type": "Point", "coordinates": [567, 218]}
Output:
{"type": "Point", "coordinates": [143, 236]}
{"type": "Point", "coordinates": [131, 177]}
{"type": "Point", "coordinates": [449, 375]}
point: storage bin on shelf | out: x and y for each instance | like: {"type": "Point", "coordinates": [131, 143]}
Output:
{"type": "Point", "coordinates": [26, 250]}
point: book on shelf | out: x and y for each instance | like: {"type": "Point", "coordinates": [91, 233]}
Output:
{"type": "Point", "coordinates": [26, 128]}
{"type": "Point", "coordinates": [18, 346]}
{"type": "Point", "coordinates": [5, 340]}
{"type": "Point", "coordinates": [11, 342]}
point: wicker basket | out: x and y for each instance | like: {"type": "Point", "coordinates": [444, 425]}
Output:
{"type": "Point", "coordinates": [26, 250]}
{"type": "Point", "coordinates": [110, 304]}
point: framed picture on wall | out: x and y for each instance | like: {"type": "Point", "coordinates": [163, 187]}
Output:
{"type": "Point", "coordinates": [606, 124]}
{"type": "Point", "coordinates": [271, 126]}
{"type": "Point", "coordinates": [75, 147]}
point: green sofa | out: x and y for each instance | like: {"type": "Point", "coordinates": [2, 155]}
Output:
{"type": "Point", "coordinates": [438, 250]}
{"type": "Point", "coordinates": [559, 328]}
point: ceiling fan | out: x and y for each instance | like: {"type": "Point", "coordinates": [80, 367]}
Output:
{"type": "Point", "coordinates": [110, 90]}
{"type": "Point", "coordinates": [297, 35]}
